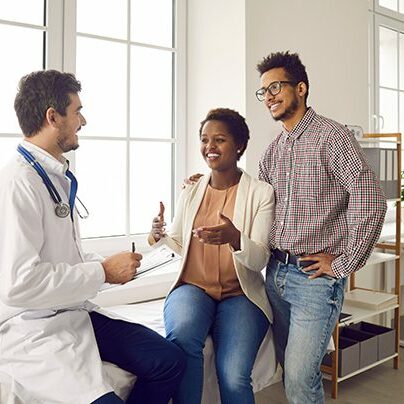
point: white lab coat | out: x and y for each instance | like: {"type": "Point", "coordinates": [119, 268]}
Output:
{"type": "Point", "coordinates": [47, 343]}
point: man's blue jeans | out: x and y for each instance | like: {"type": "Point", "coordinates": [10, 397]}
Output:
{"type": "Point", "coordinates": [237, 327]}
{"type": "Point", "coordinates": [305, 313]}
{"type": "Point", "coordinates": [157, 363]}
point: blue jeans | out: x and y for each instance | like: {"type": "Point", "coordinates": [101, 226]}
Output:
{"type": "Point", "coordinates": [157, 363]}
{"type": "Point", "coordinates": [305, 313]}
{"type": "Point", "coordinates": [237, 327]}
{"type": "Point", "coordinates": [109, 398]}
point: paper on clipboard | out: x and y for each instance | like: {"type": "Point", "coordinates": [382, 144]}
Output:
{"type": "Point", "coordinates": [155, 258]}
{"type": "Point", "coordinates": [151, 260]}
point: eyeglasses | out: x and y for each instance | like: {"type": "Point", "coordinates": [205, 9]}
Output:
{"type": "Point", "coordinates": [274, 88]}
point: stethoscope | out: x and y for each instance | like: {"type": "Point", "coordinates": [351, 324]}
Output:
{"type": "Point", "coordinates": [62, 209]}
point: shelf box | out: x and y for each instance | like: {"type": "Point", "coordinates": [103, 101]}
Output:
{"type": "Point", "coordinates": [367, 345]}
{"type": "Point", "coordinates": [348, 357]}
{"type": "Point", "coordinates": [385, 338]}
{"type": "Point", "coordinates": [384, 163]}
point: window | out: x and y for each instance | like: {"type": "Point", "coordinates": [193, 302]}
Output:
{"type": "Point", "coordinates": [23, 33]}
{"type": "Point", "coordinates": [391, 5]}
{"type": "Point", "coordinates": [130, 62]}
{"type": "Point", "coordinates": [126, 60]}
{"type": "Point", "coordinates": [388, 103]}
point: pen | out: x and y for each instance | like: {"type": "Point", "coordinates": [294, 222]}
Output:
{"type": "Point", "coordinates": [133, 246]}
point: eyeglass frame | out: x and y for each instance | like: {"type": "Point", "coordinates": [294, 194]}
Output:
{"type": "Point", "coordinates": [270, 92]}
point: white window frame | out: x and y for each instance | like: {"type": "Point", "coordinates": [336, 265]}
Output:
{"type": "Point", "coordinates": [379, 16]}
{"type": "Point", "coordinates": [386, 11]}
{"type": "Point", "coordinates": [67, 58]}
{"type": "Point", "coordinates": [49, 51]}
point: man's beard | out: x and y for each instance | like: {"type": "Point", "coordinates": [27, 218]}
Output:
{"type": "Point", "coordinates": [64, 144]}
{"type": "Point", "coordinates": [289, 112]}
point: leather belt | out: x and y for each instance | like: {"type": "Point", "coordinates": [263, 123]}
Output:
{"type": "Point", "coordinates": [287, 258]}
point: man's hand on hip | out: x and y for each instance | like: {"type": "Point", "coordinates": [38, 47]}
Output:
{"type": "Point", "coordinates": [322, 266]}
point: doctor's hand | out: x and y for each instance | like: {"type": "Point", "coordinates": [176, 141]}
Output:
{"type": "Point", "coordinates": [220, 234]}
{"type": "Point", "coordinates": [121, 268]}
{"type": "Point", "coordinates": [158, 230]}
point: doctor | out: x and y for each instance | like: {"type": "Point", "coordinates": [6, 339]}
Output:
{"type": "Point", "coordinates": [52, 343]}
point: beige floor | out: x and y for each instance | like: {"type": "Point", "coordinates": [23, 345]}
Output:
{"type": "Point", "coordinates": [380, 385]}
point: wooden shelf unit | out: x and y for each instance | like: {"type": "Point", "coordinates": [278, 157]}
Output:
{"type": "Point", "coordinates": [360, 314]}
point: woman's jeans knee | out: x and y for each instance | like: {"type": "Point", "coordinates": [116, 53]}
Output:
{"type": "Point", "coordinates": [237, 328]}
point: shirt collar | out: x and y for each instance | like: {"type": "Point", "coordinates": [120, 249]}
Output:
{"type": "Point", "coordinates": [50, 163]}
{"type": "Point", "coordinates": [301, 126]}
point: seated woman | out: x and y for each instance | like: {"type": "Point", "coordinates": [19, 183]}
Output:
{"type": "Point", "coordinates": [221, 229]}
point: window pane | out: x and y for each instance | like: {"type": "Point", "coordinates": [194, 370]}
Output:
{"type": "Point", "coordinates": [101, 174]}
{"type": "Point", "coordinates": [151, 93]}
{"type": "Point", "coordinates": [391, 4]}
{"type": "Point", "coordinates": [152, 22]}
{"type": "Point", "coordinates": [101, 68]}
{"type": "Point", "coordinates": [22, 49]}
{"type": "Point", "coordinates": [389, 110]}
{"type": "Point", "coordinates": [401, 65]}
{"type": "Point", "coordinates": [102, 17]}
{"type": "Point", "coordinates": [388, 57]}
{"type": "Point", "coordinates": [401, 9]}
{"type": "Point", "coordinates": [8, 148]}
{"type": "Point", "coordinates": [150, 170]}
{"type": "Point", "coordinates": [26, 11]}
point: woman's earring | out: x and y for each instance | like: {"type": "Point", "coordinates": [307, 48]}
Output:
{"type": "Point", "coordinates": [238, 151]}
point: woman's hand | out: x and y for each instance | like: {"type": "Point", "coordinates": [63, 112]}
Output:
{"type": "Point", "coordinates": [158, 230]}
{"type": "Point", "coordinates": [220, 234]}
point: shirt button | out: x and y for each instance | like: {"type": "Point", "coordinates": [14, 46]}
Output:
{"type": "Point", "coordinates": [281, 223]}
{"type": "Point", "coordinates": [287, 174]}
{"type": "Point", "coordinates": [289, 149]}
{"type": "Point", "coordinates": [285, 199]}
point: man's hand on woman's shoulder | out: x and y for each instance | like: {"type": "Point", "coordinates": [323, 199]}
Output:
{"type": "Point", "coordinates": [191, 180]}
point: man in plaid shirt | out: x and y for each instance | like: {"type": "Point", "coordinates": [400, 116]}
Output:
{"type": "Point", "coordinates": [329, 214]}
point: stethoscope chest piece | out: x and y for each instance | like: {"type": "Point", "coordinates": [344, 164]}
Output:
{"type": "Point", "coordinates": [62, 210]}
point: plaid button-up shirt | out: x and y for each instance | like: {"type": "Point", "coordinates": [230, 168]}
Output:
{"type": "Point", "coordinates": [328, 200]}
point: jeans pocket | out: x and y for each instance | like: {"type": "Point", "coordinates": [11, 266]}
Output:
{"type": "Point", "coordinates": [337, 295]}
{"type": "Point", "coordinates": [275, 278]}
{"type": "Point", "coordinates": [313, 271]}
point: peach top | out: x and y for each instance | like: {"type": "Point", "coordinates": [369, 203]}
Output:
{"type": "Point", "coordinates": [209, 266]}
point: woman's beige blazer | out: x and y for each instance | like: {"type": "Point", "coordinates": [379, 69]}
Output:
{"type": "Point", "coordinates": [253, 216]}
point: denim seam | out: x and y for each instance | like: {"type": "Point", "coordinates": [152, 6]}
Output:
{"type": "Point", "coordinates": [321, 345]}
{"type": "Point", "coordinates": [280, 288]}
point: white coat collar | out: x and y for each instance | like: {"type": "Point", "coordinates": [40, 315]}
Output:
{"type": "Point", "coordinates": [49, 163]}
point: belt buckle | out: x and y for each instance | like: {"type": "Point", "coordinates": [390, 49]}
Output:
{"type": "Point", "coordinates": [287, 258]}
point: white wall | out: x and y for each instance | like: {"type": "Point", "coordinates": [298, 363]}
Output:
{"type": "Point", "coordinates": [215, 65]}
{"type": "Point", "coordinates": [227, 38]}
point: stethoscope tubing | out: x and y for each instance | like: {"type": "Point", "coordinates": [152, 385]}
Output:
{"type": "Point", "coordinates": [42, 173]}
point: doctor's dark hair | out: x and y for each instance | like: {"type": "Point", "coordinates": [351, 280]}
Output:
{"type": "Point", "coordinates": [235, 123]}
{"type": "Point", "coordinates": [39, 91]}
{"type": "Point", "coordinates": [290, 62]}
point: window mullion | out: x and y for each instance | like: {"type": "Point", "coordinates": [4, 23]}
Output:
{"type": "Point", "coordinates": [180, 101]}
{"type": "Point", "coordinates": [54, 40]}
{"type": "Point", "coordinates": [129, 180]}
